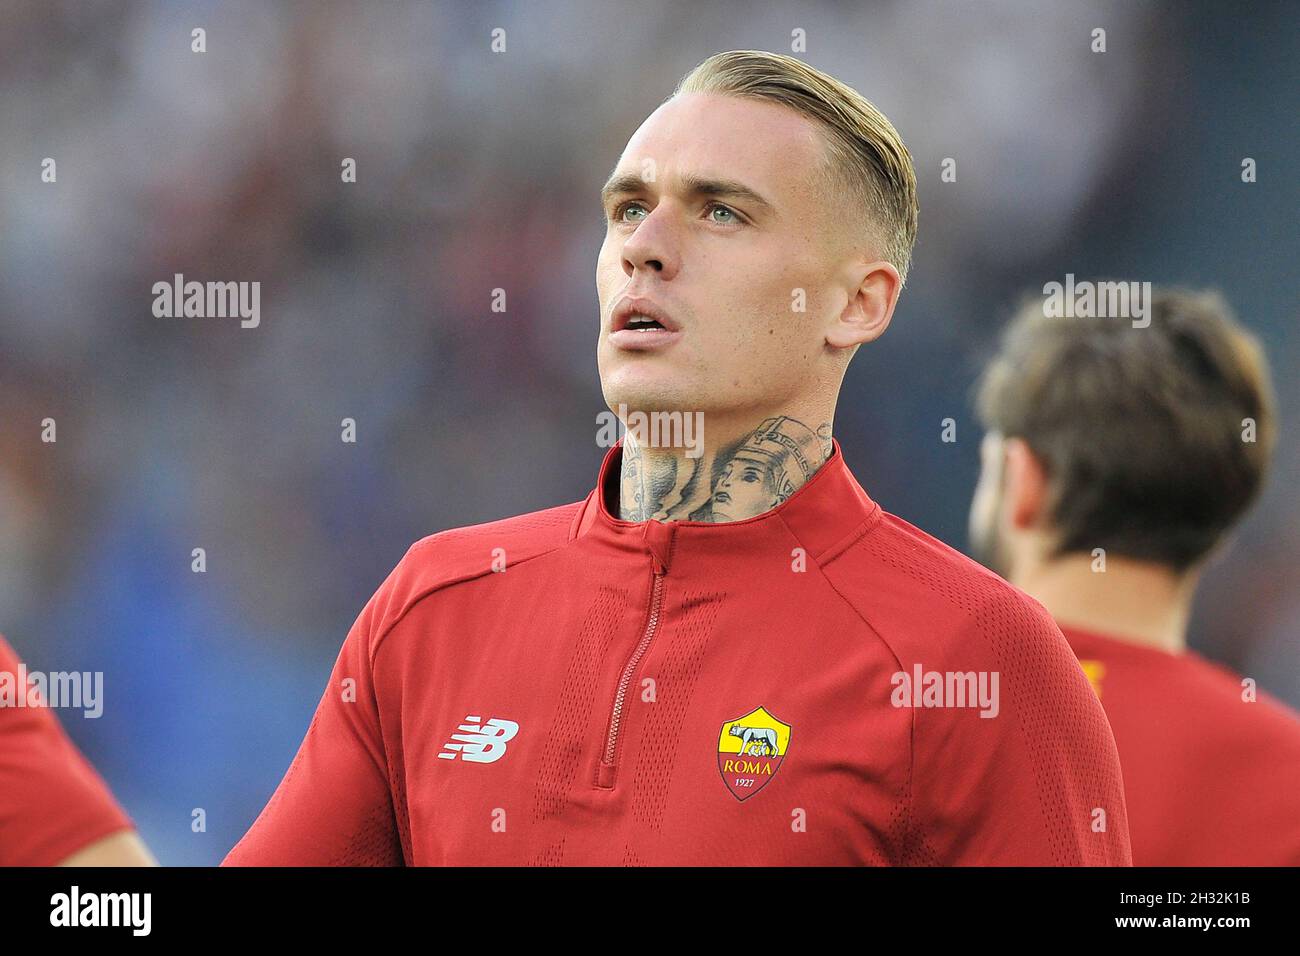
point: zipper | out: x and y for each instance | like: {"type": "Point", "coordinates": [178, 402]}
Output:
{"type": "Point", "coordinates": [605, 778]}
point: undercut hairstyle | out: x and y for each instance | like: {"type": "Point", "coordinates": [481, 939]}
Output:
{"type": "Point", "coordinates": [865, 157]}
{"type": "Point", "coordinates": [1155, 439]}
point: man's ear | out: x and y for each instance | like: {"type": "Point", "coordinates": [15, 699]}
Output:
{"type": "Point", "coordinates": [1026, 485]}
{"type": "Point", "coordinates": [867, 313]}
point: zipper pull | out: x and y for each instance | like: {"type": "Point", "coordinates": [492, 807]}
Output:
{"type": "Point", "coordinates": [658, 537]}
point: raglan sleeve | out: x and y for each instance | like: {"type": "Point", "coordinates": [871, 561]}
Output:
{"type": "Point", "coordinates": [334, 806]}
{"type": "Point", "coordinates": [52, 801]}
{"type": "Point", "coordinates": [1033, 779]}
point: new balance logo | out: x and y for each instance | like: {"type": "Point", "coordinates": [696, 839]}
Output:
{"type": "Point", "coordinates": [481, 743]}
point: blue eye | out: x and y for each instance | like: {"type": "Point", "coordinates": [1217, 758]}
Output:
{"type": "Point", "coordinates": [618, 213]}
{"type": "Point", "coordinates": [622, 209]}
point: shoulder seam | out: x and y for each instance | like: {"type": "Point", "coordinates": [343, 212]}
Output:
{"type": "Point", "coordinates": [442, 586]}
{"type": "Point", "coordinates": [911, 724]}
{"type": "Point", "coordinates": [864, 528]}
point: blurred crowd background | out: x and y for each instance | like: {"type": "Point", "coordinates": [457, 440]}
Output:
{"type": "Point", "coordinates": [480, 170]}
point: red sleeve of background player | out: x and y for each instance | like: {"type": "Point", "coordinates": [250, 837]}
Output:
{"type": "Point", "coordinates": [52, 802]}
{"type": "Point", "coordinates": [334, 805]}
{"type": "Point", "coordinates": [1040, 783]}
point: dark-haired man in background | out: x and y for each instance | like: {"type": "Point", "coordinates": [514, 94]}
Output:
{"type": "Point", "coordinates": [1116, 461]}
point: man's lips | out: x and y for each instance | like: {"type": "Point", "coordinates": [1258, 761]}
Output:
{"type": "Point", "coordinates": [644, 340]}
{"type": "Point", "coordinates": [629, 332]}
{"type": "Point", "coordinates": [632, 309]}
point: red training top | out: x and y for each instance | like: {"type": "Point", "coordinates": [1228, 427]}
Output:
{"type": "Point", "coordinates": [52, 802]}
{"type": "Point", "coordinates": [567, 688]}
{"type": "Point", "coordinates": [1210, 778]}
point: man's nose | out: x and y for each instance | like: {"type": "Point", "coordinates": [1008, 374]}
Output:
{"type": "Point", "coordinates": [652, 246]}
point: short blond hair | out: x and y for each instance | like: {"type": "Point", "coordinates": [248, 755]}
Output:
{"type": "Point", "coordinates": [865, 155]}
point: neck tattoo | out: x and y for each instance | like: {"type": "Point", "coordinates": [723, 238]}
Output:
{"type": "Point", "coordinates": [736, 481]}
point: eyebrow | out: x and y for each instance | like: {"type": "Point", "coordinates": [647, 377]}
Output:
{"type": "Point", "coordinates": [623, 183]}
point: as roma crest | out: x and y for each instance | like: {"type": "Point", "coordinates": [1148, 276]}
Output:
{"type": "Point", "coordinates": [750, 751]}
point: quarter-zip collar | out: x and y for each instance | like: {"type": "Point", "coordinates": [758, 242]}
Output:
{"type": "Point", "coordinates": [825, 513]}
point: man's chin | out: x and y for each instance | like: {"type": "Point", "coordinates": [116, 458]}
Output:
{"type": "Point", "coordinates": [647, 394]}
